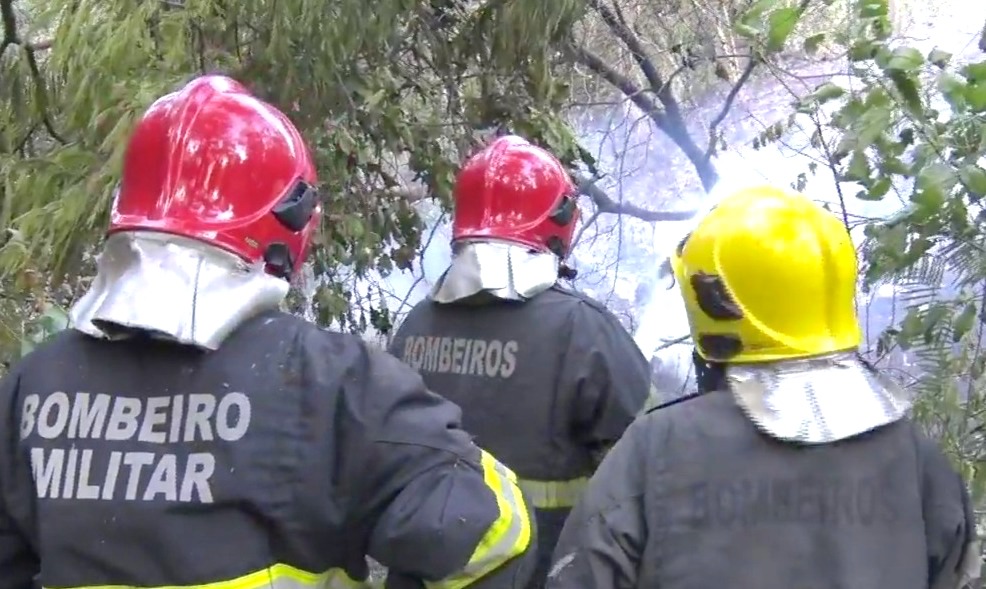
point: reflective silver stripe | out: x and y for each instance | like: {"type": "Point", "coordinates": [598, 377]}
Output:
{"type": "Point", "coordinates": [553, 494]}
{"type": "Point", "coordinates": [508, 536]}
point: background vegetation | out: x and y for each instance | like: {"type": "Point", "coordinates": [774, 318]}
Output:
{"type": "Point", "coordinates": [392, 94]}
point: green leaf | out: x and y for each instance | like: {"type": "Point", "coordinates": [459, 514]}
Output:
{"type": "Point", "coordinates": [939, 58]}
{"type": "Point", "coordinates": [953, 90]}
{"type": "Point", "coordinates": [812, 43]}
{"type": "Point", "coordinates": [975, 94]}
{"type": "Point", "coordinates": [858, 169]}
{"type": "Point", "coordinates": [780, 24]}
{"type": "Point", "coordinates": [975, 72]}
{"type": "Point", "coordinates": [932, 185]}
{"type": "Point", "coordinates": [963, 322]}
{"type": "Point", "coordinates": [932, 319]}
{"type": "Point", "coordinates": [374, 99]}
{"type": "Point", "coordinates": [746, 31]}
{"type": "Point", "coordinates": [877, 191]}
{"type": "Point", "coordinates": [826, 92]}
{"type": "Point", "coordinates": [973, 179]}
{"type": "Point", "coordinates": [908, 89]}
{"type": "Point", "coordinates": [873, 8]}
{"type": "Point", "coordinates": [873, 123]}
{"type": "Point", "coordinates": [905, 59]}
{"type": "Point", "coordinates": [862, 50]}
{"type": "Point", "coordinates": [758, 9]}
{"type": "Point", "coordinates": [53, 320]}
{"type": "Point", "coordinates": [910, 328]}
{"type": "Point", "coordinates": [751, 23]}
{"type": "Point", "coordinates": [937, 176]}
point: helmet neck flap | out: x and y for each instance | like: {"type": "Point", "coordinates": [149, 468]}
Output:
{"type": "Point", "coordinates": [503, 270]}
{"type": "Point", "coordinates": [173, 288]}
{"type": "Point", "coordinates": [816, 400]}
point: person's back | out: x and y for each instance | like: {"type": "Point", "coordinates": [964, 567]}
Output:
{"type": "Point", "coordinates": [274, 458]}
{"type": "Point", "coordinates": [794, 464]}
{"type": "Point", "coordinates": [523, 375]}
{"type": "Point", "coordinates": [184, 432]}
{"type": "Point", "coordinates": [727, 506]}
{"type": "Point", "coordinates": [546, 377]}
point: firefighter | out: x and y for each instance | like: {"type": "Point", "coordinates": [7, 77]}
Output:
{"type": "Point", "coordinates": [546, 377]}
{"type": "Point", "coordinates": [185, 432]}
{"type": "Point", "coordinates": [794, 464]}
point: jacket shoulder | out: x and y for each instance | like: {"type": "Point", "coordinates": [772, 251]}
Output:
{"type": "Point", "coordinates": [676, 401]}
{"type": "Point", "coordinates": [561, 291]}
{"type": "Point", "coordinates": [54, 347]}
{"type": "Point", "coordinates": [578, 300]}
{"type": "Point", "coordinates": [286, 327]}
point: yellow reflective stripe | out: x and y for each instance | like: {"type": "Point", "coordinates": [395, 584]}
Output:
{"type": "Point", "coordinates": [508, 536]}
{"type": "Point", "coordinates": [279, 576]}
{"type": "Point", "coordinates": [553, 494]}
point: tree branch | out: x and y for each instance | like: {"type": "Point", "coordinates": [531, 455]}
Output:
{"type": "Point", "coordinates": [672, 342]}
{"type": "Point", "coordinates": [633, 44]}
{"type": "Point", "coordinates": [9, 25]}
{"type": "Point", "coordinates": [635, 94]}
{"type": "Point", "coordinates": [667, 115]}
{"type": "Point", "coordinates": [11, 38]}
{"type": "Point", "coordinates": [754, 60]}
{"type": "Point", "coordinates": [585, 225]}
{"type": "Point", "coordinates": [605, 204]}
{"type": "Point", "coordinates": [662, 89]}
{"type": "Point", "coordinates": [727, 105]}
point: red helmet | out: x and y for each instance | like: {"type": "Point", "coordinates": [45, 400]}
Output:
{"type": "Point", "coordinates": [514, 191]}
{"type": "Point", "coordinates": [213, 163]}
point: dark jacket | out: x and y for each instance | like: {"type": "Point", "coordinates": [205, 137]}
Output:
{"type": "Point", "coordinates": [280, 460]}
{"type": "Point", "coordinates": [546, 385]}
{"type": "Point", "coordinates": [695, 497]}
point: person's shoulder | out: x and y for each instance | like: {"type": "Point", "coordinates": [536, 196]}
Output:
{"type": "Point", "coordinates": [296, 331]}
{"type": "Point", "coordinates": [564, 292]}
{"type": "Point", "coordinates": [579, 302]}
{"type": "Point", "coordinates": [422, 307]}
{"type": "Point", "coordinates": [928, 449]}
{"type": "Point", "coordinates": [690, 407]}
{"type": "Point", "coordinates": [61, 344]}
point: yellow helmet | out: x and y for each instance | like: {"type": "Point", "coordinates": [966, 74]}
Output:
{"type": "Point", "coordinates": [768, 275]}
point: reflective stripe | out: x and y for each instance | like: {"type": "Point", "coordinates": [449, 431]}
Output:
{"type": "Point", "coordinates": [507, 537]}
{"type": "Point", "coordinates": [279, 576]}
{"type": "Point", "coordinates": [553, 494]}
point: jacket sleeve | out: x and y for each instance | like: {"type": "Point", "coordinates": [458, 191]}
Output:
{"type": "Point", "coordinates": [604, 537]}
{"type": "Point", "coordinates": [442, 511]}
{"type": "Point", "coordinates": [610, 378]}
{"type": "Point", "coordinates": [18, 564]}
{"type": "Point", "coordinates": [954, 559]}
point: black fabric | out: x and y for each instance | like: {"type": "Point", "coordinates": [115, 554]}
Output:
{"type": "Point", "coordinates": [709, 376]}
{"type": "Point", "coordinates": [695, 496]}
{"type": "Point", "coordinates": [543, 384]}
{"type": "Point", "coordinates": [345, 453]}
{"type": "Point", "coordinates": [550, 523]}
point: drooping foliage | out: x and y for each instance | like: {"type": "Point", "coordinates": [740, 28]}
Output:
{"type": "Point", "coordinates": [389, 93]}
